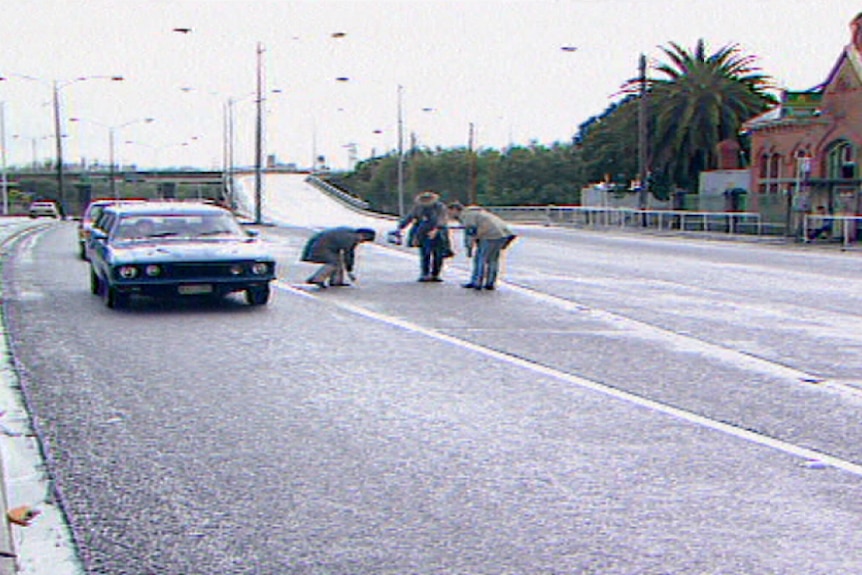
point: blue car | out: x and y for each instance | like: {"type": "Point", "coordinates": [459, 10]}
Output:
{"type": "Point", "coordinates": [176, 250]}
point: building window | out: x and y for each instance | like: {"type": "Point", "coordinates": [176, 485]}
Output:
{"type": "Point", "coordinates": [770, 173]}
{"type": "Point", "coordinates": [841, 161]}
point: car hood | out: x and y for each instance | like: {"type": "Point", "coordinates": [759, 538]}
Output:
{"type": "Point", "coordinates": [193, 250]}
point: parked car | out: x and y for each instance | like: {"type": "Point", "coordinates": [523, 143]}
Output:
{"type": "Point", "coordinates": [91, 214]}
{"type": "Point", "coordinates": [176, 250]}
{"type": "Point", "coordinates": [44, 208]}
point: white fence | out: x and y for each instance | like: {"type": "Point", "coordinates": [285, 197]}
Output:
{"type": "Point", "coordinates": [812, 228]}
{"type": "Point", "coordinates": [818, 228]}
{"type": "Point", "coordinates": [595, 217]}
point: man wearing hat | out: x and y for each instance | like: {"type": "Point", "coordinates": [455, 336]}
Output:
{"type": "Point", "coordinates": [429, 232]}
{"type": "Point", "coordinates": [335, 248]}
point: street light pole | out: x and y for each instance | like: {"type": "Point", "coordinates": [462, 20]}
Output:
{"type": "Point", "coordinates": [112, 173]}
{"type": "Point", "coordinates": [111, 170]}
{"type": "Point", "coordinates": [643, 170]}
{"type": "Point", "coordinates": [58, 138]}
{"type": "Point", "coordinates": [258, 140]}
{"type": "Point", "coordinates": [400, 155]}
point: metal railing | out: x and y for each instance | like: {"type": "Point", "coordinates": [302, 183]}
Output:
{"type": "Point", "coordinates": [337, 193]}
{"type": "Point", "coordinates": [670, 220]}
{"type": "Point", "coordinates": [824, 227]}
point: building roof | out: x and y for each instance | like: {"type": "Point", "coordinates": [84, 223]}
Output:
{"type": "Point", "coordinates": [799, 107]}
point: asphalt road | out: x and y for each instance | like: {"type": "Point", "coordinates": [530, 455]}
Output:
{"type": "Point", "coordinates": [622, 405]}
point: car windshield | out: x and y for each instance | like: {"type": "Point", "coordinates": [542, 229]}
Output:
{"type": "Point", "coordinates": [143, 227]}
{"type": "Point", "coordinates": [93, 214]}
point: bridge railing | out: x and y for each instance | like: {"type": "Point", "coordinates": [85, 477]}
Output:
{"type": "Point", "coordinates": [337, 193]}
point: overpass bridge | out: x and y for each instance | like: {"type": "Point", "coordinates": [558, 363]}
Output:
{"type": "Point", "coordinates": [80, 186]}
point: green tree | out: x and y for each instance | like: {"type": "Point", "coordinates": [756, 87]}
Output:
{"type": "Point", "coordinates": [698, 100]}
{"type": "Point", "coordinates": [608, 143]}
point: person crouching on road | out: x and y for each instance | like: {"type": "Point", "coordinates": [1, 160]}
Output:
{"type": "Point", "coordinates": [430, 233]}
{"type": "Point", "coordinates": [335, 248]}
{"type": "Point", "coordinates": [485, 237]}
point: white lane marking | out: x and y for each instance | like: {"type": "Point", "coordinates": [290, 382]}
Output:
{"type": "Point", "coordinates": [802, 452]}
{"type": "Point", "coordinates": [679, 341]}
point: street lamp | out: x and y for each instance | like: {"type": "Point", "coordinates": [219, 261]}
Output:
{"type": "Point", "coordinates": [400, 145]}
{"type": "Point", "coordinates": [56, 86]}
{"type": "Point", "coordinates": [258, 140]}
{"type": "Point", "coordinates": [111, 145]}
{"type": "Point", "coordinates": [229, 138]}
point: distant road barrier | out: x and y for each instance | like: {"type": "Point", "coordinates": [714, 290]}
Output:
{"type": "Point", "coordinates": [337, 193]}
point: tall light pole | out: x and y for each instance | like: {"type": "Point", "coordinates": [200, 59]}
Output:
{"type": "Point", "coordinates": [643, 169]}
{"type": "Point", "coordinates": [56, 86]}
{"type": "Point", "coordinates": [112, 146]}
{"type": "Point", "coordinates": [112, 129]}
{"type": "Point", "coordinates": [400, 154]}
{"type": "Point", "coordinates": [58, 135]}
{"type": "Point", "coordinates": [258, 140]}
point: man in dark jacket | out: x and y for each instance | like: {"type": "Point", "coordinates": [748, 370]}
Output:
{"type": "Point", "coordinates": [429, 232]}
{"type": "Point", "coordinates": [334, 248]}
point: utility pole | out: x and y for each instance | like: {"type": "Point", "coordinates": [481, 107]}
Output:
{"type": "Point", "coordinates": [471, 168]}
{"type": "Point", "coordinates": [258, 140]}
{"type": "Point", "coordinates": [111, 161]}
{"type": "Point", "coordinates": [58, 136]}
{"type": "Point", "coordinates": [400, 155]}
{"type": "Point", "coordinates": [643, 170]}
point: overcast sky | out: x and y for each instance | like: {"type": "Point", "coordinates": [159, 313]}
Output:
{"type": "Point", "coordinates": [495, 64]}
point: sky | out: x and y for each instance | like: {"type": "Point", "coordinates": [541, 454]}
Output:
{"type": "Point", "coordinates": [494, 65]}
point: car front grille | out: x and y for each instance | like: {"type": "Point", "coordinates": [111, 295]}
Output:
{"type": "Point", "coordinates": [204, 270]}
{"type": "Point", "coordinates": [192, 272]}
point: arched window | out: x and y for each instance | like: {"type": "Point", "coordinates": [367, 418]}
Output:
{"type": "Point", "coordinates": [773, 173]}
{"type": "Point", "coordinates": [841, 161]}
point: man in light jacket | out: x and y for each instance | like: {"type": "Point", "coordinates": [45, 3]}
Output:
{"type": "Point", "coordinates": [485, 237]}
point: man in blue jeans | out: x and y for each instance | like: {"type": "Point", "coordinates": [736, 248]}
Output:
{"type": "Point", "coordinates": [489, 235]}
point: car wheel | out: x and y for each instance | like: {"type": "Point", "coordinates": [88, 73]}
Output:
{"type": "Point", "coordinates": [115, 299]}
{"type": "Point", "coordinates": [95, 284]}
{"type": "Point", "coordinates": [257, 295]}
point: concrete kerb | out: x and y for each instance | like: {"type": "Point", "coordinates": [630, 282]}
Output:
{"type": "Point", "coordinates": [40, 542]}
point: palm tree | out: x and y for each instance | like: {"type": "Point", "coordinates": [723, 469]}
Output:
{"type": "Point", "coordinates": [698, 101]}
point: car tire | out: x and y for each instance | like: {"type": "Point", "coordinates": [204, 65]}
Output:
{"type": "Point", "coordinates": [95, 283]}
{"type": "Point", "coordinates": [257, 295]}
{"type": "Point", "coordinates": [115, 299]}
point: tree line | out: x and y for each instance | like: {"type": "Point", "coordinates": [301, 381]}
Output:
{"type": "Point", "coordinates": [693, 100]}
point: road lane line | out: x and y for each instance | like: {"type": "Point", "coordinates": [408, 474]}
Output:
{"type": "Point", "coordinates": [811, 455]}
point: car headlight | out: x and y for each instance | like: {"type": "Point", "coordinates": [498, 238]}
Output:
{"type": "Point", "coordinates": [236, 270]}
{"type": "Point", "coordinates": [153, 270]}
{"type": "Point", "coordinates": [259, 268]}
{"type": "Point", "coordinates": [128, 272]}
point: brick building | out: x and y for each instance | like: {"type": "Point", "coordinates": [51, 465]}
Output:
{"type": "Point", "coordinates": [805, 151]}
